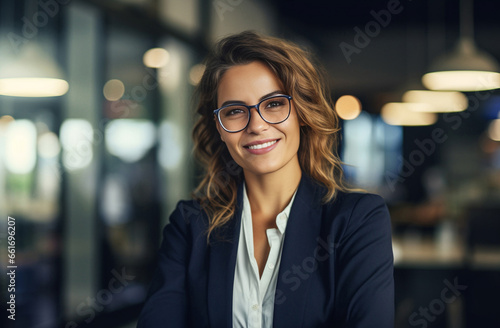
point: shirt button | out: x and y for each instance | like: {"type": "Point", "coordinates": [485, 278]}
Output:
{"type": "Point", "coordinates": [255, 307]}
{"type": "Point", "coordinates": [271, 266]}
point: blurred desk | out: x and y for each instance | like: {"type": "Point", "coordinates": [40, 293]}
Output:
{"type": "Point", "coordinates": [485, 258]}
{"type": "Point", "coordinates": [427, 253]}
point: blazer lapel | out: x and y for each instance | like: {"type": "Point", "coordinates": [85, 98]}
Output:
{"type": "Point", "coordinates": [222, 264]}
{"type": "Point", "coordinates": [302, 229]}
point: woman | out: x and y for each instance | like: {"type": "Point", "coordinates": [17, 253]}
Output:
{"type": "Point", "coordinates": [272, 238]}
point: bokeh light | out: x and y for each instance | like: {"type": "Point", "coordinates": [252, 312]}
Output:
{"type": "Point", "coordinates": [348, 107]}
{"type": "Point", "coordinates": [113, 90]}
{"type": "Point", "coordinates": [494, 130]}
{"type": "Point", "coordinates": [156, 57]}
{"type": "Point", "coordinates": [408, 114]}
{"type": "Point", "coordinates": [195, 73]}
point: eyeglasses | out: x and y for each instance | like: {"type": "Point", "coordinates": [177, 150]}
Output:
{"type": "Point", "coordinates": [273, 110]}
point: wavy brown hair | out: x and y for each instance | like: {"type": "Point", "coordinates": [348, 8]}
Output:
{"type": "Point", "coordinates": [319, 132]}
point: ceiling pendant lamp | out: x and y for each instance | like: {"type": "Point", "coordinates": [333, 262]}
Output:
{"type": "Point", "coordinates": [438, 101]}
{"type": "Point", "coordinates": [32, 74]}
{"type": "Point", "coordinates": [466, 68]}
{"type": "Point", "coordinates": [30, 71]}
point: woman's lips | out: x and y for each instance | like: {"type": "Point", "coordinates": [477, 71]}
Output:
{"type": "Point", "coordinates": [262, 147]}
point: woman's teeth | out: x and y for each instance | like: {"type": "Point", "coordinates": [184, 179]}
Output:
{"type": "Point", "coordinates": [264, 145]}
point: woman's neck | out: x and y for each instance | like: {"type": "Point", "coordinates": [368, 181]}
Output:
{"type": "Point", "coordinates": [270, 193]}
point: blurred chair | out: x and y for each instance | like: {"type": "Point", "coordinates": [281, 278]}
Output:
{"type": "Point", "coordinates": [483, 226]}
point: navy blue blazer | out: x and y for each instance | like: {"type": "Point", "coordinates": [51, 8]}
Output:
{"type": "Point", "coordinates": [336, 266]}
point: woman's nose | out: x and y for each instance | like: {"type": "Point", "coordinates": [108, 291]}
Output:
{"type": "Point", "coordinates": [256, 123]}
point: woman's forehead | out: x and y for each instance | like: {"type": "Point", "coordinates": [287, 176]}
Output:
{"type": "Point", "coordinates": [247, 83]}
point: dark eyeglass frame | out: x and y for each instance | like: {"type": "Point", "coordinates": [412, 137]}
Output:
{"type": "Point", "coordinates": [257, 107]}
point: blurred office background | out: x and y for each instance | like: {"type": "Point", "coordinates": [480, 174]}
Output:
{"type": "Point", "coordinates": [95, 153]}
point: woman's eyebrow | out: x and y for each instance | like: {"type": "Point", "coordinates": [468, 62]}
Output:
{"type": "Point", "coordinates": [231, 102]}
{"type": "Point", "coordinates": [277, 92]}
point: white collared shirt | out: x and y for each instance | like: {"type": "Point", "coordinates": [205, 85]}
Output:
{"type": "Point", "coordinates": [253, 297]}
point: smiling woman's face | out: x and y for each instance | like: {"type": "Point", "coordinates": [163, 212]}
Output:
{"type": "Point", "coordinates": [261, 148]}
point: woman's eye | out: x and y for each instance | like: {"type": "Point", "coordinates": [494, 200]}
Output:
{"type": "Point", "coordinates": [234, 111]}
{"type": "Point", "coordinates": [274, 103]}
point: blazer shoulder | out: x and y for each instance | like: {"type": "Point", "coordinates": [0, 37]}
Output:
{"type": "Point", "coordinates": [351, 210]}
{"type": "Point", "coordinates": [189, 213]}
{"type": "Point", "coordinates": [350, 201]}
